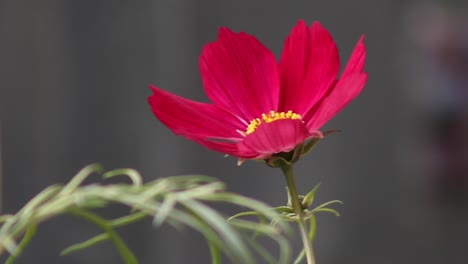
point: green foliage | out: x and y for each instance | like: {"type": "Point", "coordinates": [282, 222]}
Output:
{"type": "Point", "coordinates": [178, 201]}
{"type": "Point", "coordinates": [287, 214]}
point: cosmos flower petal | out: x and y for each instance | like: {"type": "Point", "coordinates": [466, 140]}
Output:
{"type": "Point", "coordinates": [357, 60]}
{"type": "Point", "coordinates": [193, 119]}
{"type": "Point", "coordinates": [229, 148]}
{"type": "Point", "coordinates": [275, 137]}
{"type": "Point", "coordinates": [240, 74]}
{"type": "Point", "coordinates": [308, 67]}
{"type": "Point", "coordinates": [346, 89]}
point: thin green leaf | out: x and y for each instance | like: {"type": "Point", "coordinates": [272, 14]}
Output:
{"type": "Point", "coordinates": [134, 176]}
{"type": "Point", "coordinates": [196, 192]}
{"type": "Point", "coordinates": [327, 204]}
{"type": "Point", "coordinates": [164, 211]}
{"type": "Point", "coordinates": [122, 221]}
{"type": "Point", "coordinates": [80, 177]}
{"type": "Point", "coordinates": [228, 234]}
{"type": "Point", "coordinates": [85, 244]}
{"type": "Point", "coordinates": [329, 210]}
{"type": "Point", "coordinates": [249, 213]}
{"type": "Point", "coordinates": [300, 257]}
{"type": "Point", "coordinates": [264, 229]}
{"type": "Point", "coordinates": [8, 244]}
{"type": "Point", "coordinates": [39, 199]}
{"type": "Point", "coordinates": [124, 251]}
{"type": "Point", "coordinates": [200, 225]}
{"type": "Point", "coordinates": [261, 251]}
{"type": "Point", "coordinates": [30, 232]}
{"type": "Point", "coordinates": [214, 252]}
{"type": "Point", "coordinates": [248, 203]}
{"type": "Point", "coordinates": [285, 249]}
{"type": "Point", "coordinates": [128, 219]}
{"type": "Point", "coordinates": [312, 227]}
{"type": "Point", "coordinates": [4, 218]}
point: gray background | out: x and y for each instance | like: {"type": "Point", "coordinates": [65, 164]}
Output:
{"type": "Point", "coordinates": [74, 80]}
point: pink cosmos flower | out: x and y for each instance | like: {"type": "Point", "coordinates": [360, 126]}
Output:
{"type": "Point", "coordinates": [262, 107]}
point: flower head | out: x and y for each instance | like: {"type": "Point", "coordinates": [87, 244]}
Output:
{"type": "Point", "coordinates": [262, 107]}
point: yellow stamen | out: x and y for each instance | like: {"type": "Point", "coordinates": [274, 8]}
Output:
{"type": "Point", "coordinates": [270, 117]}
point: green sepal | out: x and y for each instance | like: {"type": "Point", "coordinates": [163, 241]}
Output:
{"type": "Point", "coordinates": [309, 198]}
{"type": "Point", "coordinates": [283, 159]}
{"type": "Point", "coordinates": [277, 161]}
{"type": "Point", "coordinates": [297, 153]}
{"type": "Point", "coordinates": [309, 145]}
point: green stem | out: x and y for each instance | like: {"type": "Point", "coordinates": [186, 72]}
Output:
{"type": "Point", "coordinates": [288, 172]}
{"type": "Point", "coordinates": [214, 252]}
{"type": "Point", "coordinates": [30, 232]}
{"type": "Point", "coordinates": [124, 251]}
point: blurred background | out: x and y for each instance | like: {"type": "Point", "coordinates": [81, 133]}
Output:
{"type": "Point", "coordinates": [74, 80]}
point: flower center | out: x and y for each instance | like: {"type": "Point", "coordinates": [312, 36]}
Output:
{"type": "Point", "coordinates": [270, 117]}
